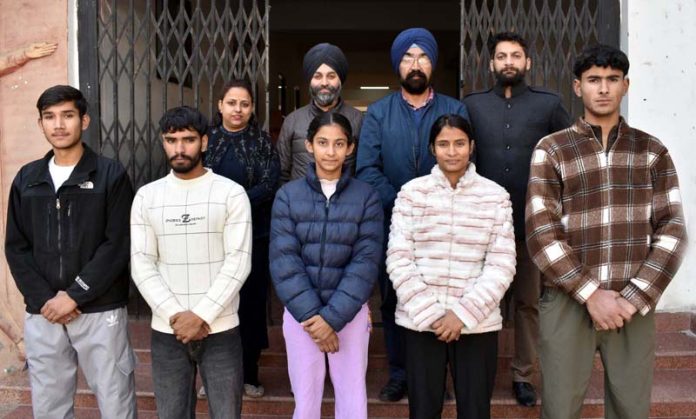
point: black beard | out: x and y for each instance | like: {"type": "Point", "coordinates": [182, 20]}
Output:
{"type": "Point", "coordinates": [505, 80]}
{"type": "Point", "coordinates": [193, 162]}
{"type": "Point", "coordinates": [413, 85]}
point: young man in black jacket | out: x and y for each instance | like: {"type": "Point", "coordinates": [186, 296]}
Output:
{"type": "Point", "coordinates": [67, 248]}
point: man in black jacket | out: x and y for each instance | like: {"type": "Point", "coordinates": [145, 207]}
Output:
{"type": "Point", "coordinates": [508, 121]}
{"type": "Point", "coordinates": [67, 248]}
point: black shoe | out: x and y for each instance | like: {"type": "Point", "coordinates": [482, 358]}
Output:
{"type": "Point", "coordinates": [394, 391]}
{"type": "Point", "coordinates": [524, 393]}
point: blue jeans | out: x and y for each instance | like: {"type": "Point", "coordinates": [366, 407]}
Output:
{"type": "Point", "coordinates": [174, 365]}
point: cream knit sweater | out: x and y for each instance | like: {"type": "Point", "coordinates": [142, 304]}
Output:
{"type": "Point", "coordinates": [191, 248]}
{"type": "Point", "coordinates": [451, 249]}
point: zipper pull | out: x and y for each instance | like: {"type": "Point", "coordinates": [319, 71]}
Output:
{"type": "Point", "coordinates": [57, 203]}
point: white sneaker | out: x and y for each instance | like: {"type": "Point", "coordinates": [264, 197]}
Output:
{"type": "Point", "coordinates": [201, 393]}
{"type": "Point", "coordinates": [254, 391]}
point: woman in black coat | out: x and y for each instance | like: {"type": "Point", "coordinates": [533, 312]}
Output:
{"type": "Point", "coordinates": [239, 150]}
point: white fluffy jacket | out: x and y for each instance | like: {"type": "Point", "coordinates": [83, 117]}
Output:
{"type": "Point", "coordinates": [451, 249]}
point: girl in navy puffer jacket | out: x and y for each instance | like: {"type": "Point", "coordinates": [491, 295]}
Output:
{"type": "Point", "coordinates": [325, 251]}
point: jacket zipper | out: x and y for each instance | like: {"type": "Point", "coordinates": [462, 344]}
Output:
{"type": "Point", "coordinates": [60, 246]}
{"type": "Point", "coordinates": [323, 241]}
{"type": "Point", "coordinates": [449, 259]}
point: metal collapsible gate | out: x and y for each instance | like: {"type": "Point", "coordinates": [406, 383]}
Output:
{"type": "Point", "coordinates": [139, 58]}
{"type": "Point", "coordinates": [556, 31]}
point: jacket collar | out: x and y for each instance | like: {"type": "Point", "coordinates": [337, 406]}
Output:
{"type": "Point", "coordinates": [316, 110]}
{"type": "Point", "coordinates": [585, 128]}
{"type": "Point", "coordinates": [464, 181]}
{"type": "Point", "coordinates": [84, 168]}
{"type": "Point", "coordinates": [313, 179]}
{"type": "Point", "coordinates": [517, 89]}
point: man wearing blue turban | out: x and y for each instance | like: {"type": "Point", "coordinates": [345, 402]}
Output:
{"type": "Point", "coordinates": [393, 149]}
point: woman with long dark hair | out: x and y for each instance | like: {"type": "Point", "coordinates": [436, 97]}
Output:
{"type": "Point", "coordinates": [239, 150]}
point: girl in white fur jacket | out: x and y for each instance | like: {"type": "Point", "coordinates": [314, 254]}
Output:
{"type": "Point", "coordinates": [451, 257]}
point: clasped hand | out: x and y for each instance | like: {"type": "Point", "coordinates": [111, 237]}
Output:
{"type": "Point", "coordinates": [321, 333]}
{"type": "Point", "coordinates": [60, 309]}
{"type": "Point", "coordinates": [448, 328]}
{"type": "Point", "coordinates": [188, 326]}
{"type": "Point", "coordinates": [609, 310]}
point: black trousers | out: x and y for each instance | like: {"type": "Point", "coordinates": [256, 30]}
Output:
{"type": "Point", "coordinates": [472, 361]}
{"type": "Point", "coordinates": [252, 311]}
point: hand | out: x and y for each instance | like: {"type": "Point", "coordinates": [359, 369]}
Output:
{"type": "Point", "coordinates": [69, 317]}
{"type": "Point", "coordinates": [605, 310]}
{"type": "Point", "coordinates": [317, 328]}
{"type": "Point", "coordinates": [630, 308]}
{"type": "Point", "coordinates": [186, 325]}
{"type": "Point", "coordinates": [203, 332]}
{"type": "Point", "coordinates": [330, 345]}
{"type": "Point", "coordinates": [448, 328]}
{"type": "Point", "coordinates": [58, 306]}
{"type": "Point", "coordinates": [40, 49]}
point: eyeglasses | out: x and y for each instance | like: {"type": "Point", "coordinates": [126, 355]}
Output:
{"type": "Point", "coordinates": [409, 60]}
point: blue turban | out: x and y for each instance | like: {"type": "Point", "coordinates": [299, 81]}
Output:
{"type": "Point", "coordinates": [403, 41]}
{"type": "Point", "coordinates": [328, 54]}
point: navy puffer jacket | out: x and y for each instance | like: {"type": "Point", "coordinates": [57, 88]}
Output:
{"type": "Point", "coordinates": [325, 254]}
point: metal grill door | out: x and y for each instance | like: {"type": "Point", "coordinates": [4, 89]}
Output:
{"type": "Point", "coordinates": [556, 31]}
{"type": "Point", "coordinates": [139, 58]}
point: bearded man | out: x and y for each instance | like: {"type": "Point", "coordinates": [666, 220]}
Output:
{"type": "Point", "coordinates": [325, 68]}
{"type": "Point", "coordinates": [508, 121]}
{"type": "Point", "coordinates": [393, 149]}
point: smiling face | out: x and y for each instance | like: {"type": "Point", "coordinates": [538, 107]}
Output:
{"type": "Point", "coordinates": [236, 108]}
{"type": "Point", "coordinates": [63, 126]}
{"type": "Point", "coordinates": [184, 150]}
{"type": "Point", "coordinates": [330, 147]}
{"type": "Point", "coordinates": [415, 70]}
{"type": "Point", "coordinates": [452, 149]}
{"type": "Point", "coordinates": [601, 90]}
{"type": "Point", "coordinates": [509, 63]}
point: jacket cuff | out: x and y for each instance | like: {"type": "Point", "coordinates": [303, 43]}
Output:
{"type": "Point", "coordinates": [635, 296]}
{"type": "Point", "coordinates": [585, 290]}
{"type": "Point", "coordinates": [465, 316]}
{"type": "Point", "coordinates": [334, 321]}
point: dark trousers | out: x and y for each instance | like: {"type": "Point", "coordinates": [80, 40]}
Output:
{"type": "Point", "coordinates": [252, 311]}
{"type": "Point", "coordinates": [472, 362]}
{"type": "Point", "coordinates": [393, 335]}
{"type": "Point", "coordinates": [174, 365]}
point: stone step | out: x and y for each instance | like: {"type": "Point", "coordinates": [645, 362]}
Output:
{"type": "Point", "coordinates": [672, 396]}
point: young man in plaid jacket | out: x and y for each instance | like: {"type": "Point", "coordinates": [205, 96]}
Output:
{"type": "Point", "coordinates": [605, 227]}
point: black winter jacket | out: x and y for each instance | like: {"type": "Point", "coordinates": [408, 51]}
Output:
{"type": "Point", "coordinates": [75, 239]}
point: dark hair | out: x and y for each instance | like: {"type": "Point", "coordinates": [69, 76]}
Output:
{"type": "Point", "coordinates": [240, 83]}
{"type": "Point", "coordinates": [59, 94]}
{"type": "Point", "coordinates": [600, 55]}
{"type": "Point", "coordinates": [506, 37]}
{"type": "Point", "coordinates": [330, 118]}
{"type": "Point", "coordinates": [181, 118]}
{"type": "Point", "coordinates": [453, 121]}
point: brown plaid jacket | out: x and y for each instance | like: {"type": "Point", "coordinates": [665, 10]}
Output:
{"type": "Point", "coordinates": [610, 220]}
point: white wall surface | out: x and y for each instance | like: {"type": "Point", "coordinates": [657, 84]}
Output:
{"type": "Point", "coordinates": [660, 40]}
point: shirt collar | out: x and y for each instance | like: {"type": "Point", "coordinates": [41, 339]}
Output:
{"type": "Point", "coordinates": [431, 95]}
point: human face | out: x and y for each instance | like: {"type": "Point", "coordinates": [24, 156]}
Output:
{"type": "Point", "coordinates": [236, 108]}
{"type": "Point", "coordinates": [415, 71]}
{"type": "Point", "coordinates": [184, 150]}
{"type": "Point", "coordinates": [330, 148]}
{"type": "Point", "coordinates": [325, 86]}
{"type": "Point", "coordinates": [63, 126]}
{"type": "Point", "coordinates": [452, 149]}
{"type": "Point", "coordinates": [509, 63]}
{"type": "Point", "coordinates": [601, 90]}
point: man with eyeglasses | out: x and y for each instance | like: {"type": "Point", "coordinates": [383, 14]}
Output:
{"type": "Point", "coordinates": [393, 149]}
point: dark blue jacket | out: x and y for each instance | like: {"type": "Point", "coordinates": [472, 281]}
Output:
{"type": "Point", "coordinates": [325, 254]}
{"type": "Point", "coordinates": [392, 150]}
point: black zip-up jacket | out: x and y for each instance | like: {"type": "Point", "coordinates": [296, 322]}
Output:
{"type": "Point", "coordinates": [75, 239]}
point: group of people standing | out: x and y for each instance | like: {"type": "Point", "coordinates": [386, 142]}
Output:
{"type": "Point", "coordinates": [423, 195]}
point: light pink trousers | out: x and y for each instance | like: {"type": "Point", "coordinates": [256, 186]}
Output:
{"type": "Point", "coordinates": [347, 368]}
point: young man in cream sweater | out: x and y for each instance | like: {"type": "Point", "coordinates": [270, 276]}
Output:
{"type": "Point", "coordinates": [190, 255]}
